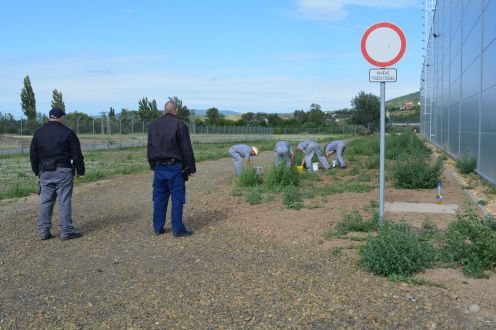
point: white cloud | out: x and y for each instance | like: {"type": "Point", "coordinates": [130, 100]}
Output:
{"type": "Point", "coordinates": [333, 10]}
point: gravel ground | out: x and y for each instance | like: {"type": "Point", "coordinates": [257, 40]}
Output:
{"type": "Point", "coordinates": [119, 275]}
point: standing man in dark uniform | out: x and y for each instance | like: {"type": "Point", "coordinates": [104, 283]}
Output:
{"type": "Point", "coordinates": [171, 157]}
{"type": "Point", "coordinates": [54, 153]}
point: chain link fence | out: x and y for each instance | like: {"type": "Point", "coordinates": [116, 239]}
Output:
{"type": "Point", "coordinates": [105, 133]}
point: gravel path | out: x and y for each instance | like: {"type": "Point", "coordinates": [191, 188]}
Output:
{"type": "Point", "coordinates": [119, 275]}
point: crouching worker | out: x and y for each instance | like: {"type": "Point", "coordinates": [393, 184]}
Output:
{"type": "Point", "coordinates": [171, 157]}
{"type": "Point", "coordinates": [240, 151]}
{"type": "Point", "coordinates": [311, 148]}
{"type": "Point", "coordinates": [337, 147]}
{"type": "Point", "coordinates": [283, 153]}
{"type": "Point", "coordinates": [54, 154]}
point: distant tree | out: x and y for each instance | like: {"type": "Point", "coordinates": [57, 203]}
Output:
{"type": "Point", "coordinates": [300, 116]}
{"type": "Point", "coordinates": [127, 114]}
{"type": "Point", "coordinates": [28, 101]}
{"type": "Point", "coordinates": [316, 116]}
{"type": "Point", "coordinates": [58, 100]}
{"type": "Point", "coordinates": [274, 120]}
{"type": "Point", "coordinates": [73, 116]}
{"type": "Point", "coordinates": [111, 113]}
{"type": "Point", "coordinates": [248, 119]}
{"type": "Point", "coordinates": [213, 116]}
{"type": "Point", "coordinates": [147, 110]}
{"type": "Point", "coordinates": [366, 109]}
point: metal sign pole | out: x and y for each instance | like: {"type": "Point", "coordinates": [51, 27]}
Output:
{"type": "Point", "coordinates": [382, 138]}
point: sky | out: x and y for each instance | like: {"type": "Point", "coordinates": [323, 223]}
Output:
{"type": "Point", "coordinates": [239, 55]}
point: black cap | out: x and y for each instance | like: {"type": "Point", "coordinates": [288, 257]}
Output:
{"type": "Point", "coordinates": [56, 113]}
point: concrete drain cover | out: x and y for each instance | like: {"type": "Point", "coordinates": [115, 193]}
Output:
{"type": "Point", "coordinates": [420, 207]}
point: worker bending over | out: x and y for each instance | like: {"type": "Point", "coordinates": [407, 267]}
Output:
{"type": "Point", "coordinates": [337, 147]}
{"type": "Point", "coordinates": [283, 153]}
{"type": "Point", "coordinates": [240, 151]}
{"type": "Point", "coordinates": [311, 148]}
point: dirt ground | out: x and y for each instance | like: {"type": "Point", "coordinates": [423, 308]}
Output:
{"type": "Point", "coordinates": [246, 266]}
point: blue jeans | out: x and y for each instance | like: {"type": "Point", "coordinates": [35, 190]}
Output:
{"type": "Point", "coordinates": [168, 182]}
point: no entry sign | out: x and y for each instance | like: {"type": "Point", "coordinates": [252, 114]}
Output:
{"type": "Point", "coordinates": [383, 44]}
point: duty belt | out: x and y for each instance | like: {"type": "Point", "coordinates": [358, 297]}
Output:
{"type": "Point", "coordinates": [168, 161]}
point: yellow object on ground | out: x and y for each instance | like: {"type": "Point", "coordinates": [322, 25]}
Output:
{"type": "Point", "coordinates": [300, 169]}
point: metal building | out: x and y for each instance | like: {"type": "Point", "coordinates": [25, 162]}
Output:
{"type": "Point", "coordinates": [458, 83]}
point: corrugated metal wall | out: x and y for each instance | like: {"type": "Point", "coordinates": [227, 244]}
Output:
{"type": "Point", "coordinates": [458, 87]}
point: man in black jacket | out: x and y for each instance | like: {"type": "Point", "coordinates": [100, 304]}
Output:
{"type": "Point", "coordinates": [54, 153]}
{"type": "Point", "coordinates": [171, 157]}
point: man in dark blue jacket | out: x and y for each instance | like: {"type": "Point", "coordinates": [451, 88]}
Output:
{"type": "Point", "coordinates": [55, 153]}
{"type": "Point", "coordinates": [171, 157]}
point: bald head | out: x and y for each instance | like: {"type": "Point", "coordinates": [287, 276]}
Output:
{"type": "Point", "coordinates": [171, 107]}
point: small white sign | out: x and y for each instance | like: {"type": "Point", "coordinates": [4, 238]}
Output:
{"type": "Point", "coordinates": [382, 75]}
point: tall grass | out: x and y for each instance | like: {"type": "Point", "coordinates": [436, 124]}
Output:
{"type": "Point", "coordinates": [282, 176]}
{"type": "Point", "coordinates": [414, 172]}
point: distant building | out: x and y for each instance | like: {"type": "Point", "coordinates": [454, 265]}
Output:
{"type": "Point", "coordinates": [458, 83]}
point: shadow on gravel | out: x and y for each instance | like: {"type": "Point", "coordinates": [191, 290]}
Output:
{"type": "Point", "coordinates": [202, 219]}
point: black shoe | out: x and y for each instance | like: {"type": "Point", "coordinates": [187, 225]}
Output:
{"type": "Point", "coordinates": [343, 167]}
{"type": "Point", "coordinates": [163, 231]}
{"type": "Point", "coordinates": [73, 235]}
{"type": "Point", "coordinates": [45, 236]}
{"type": "Point", "coordinates": [186, 232]}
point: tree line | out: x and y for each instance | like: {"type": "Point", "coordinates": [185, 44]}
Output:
{"type": "Point", "coordinates": [364, 111]}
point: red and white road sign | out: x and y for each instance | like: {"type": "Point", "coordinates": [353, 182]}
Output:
{"type": "Point", "coordinates": [383, 44]}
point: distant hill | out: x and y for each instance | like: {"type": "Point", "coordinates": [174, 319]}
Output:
{"type": "Point", "coordinates": [402, 100]}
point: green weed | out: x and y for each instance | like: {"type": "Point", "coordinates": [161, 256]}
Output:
{"type": "Point", "coordinates": [413, 172]}
{"type": "Point", "coordinates": [282, 176]}
{"type": "Point", "coordinates": [466, 164]}
{"type": "Point", "coordinates": [396, 249]}
{"type": "Point", "coordinates": [471, 242]}
{"type": "Point", "coordinates": [249, 178]}
{"type": "Point", "coordinates": [292, 198]}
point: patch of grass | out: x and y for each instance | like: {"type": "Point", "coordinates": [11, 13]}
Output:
{"type": "Point", "coordinates": [237, 192]}
{"type": "Point", "coordinates": [254, 197]}
{"type": "Point", "coordinates": [249, 178]}
{"type": "Point", "coordinates": [429, 230]}
{"type": "Point", "coordinates": [482, 202]}
{"type": "Point", "coordinates": [396, 249]}
{"type": "Point", "coordinates": [337, 251]}
{"type": "Point", "coordinates": [364, 178]}
{"type": "Point", "coordinates": [354, 222]}
{"type": "Point", "coordinates": [414, 172]}
{"type": "Point", "coordinates": [282, 176]}
{"type": "Point", "coordinates": [414, 281]}
{"type": "Point", "coordinates": [354, 171]}
{"type": "Point", "coordinates": [466, 164]}
{"type": "Point", "coordinates": [373, 162]}
{"type": "Point", "coordinates": [292, 198]}
{"type": "Point", "coordinates": [18, 190]}
{"type": "Point", "coordinates": [471, 242]}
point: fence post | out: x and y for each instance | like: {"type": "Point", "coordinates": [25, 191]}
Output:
{"type": "Point", "coordinates": [120, 133]}
{"type": "Point", "coordinates": [94, 142]}
{"type": "Point", "coordinates": [143, 140]}
{"type": "Point", "coordinates": [22, 139]}
{"type": "Point", "coordinates": [132, 132]}
{"type": "Point", "coordinates": [77, 125]}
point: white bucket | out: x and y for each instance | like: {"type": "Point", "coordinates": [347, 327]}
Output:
{"type": "Point", "coordinates": [333, 163]}
{"type": "Point", "coordinates": [315, 166]}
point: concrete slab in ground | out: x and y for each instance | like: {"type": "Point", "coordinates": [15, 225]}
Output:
{"type": "Point", "coordinates": [420, 208]}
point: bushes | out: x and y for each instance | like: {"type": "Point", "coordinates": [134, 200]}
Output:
{"type": "Point", "coordinates": [471, 242]}
{"type": "Point", "coordinates": [282, 176]}
{"type": "Point", "coordinates": [396, 249]}
{"type": "Point", "coordinates": [292, 198]}
{"type": "Point", "coordinates": [354, 222]}
{"type": "Point", "coordinates": [249, 177]}
{"type": "Point", "coordinates": [466, 164]}
{"type": "Point", "coordinates": [414, 172]}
